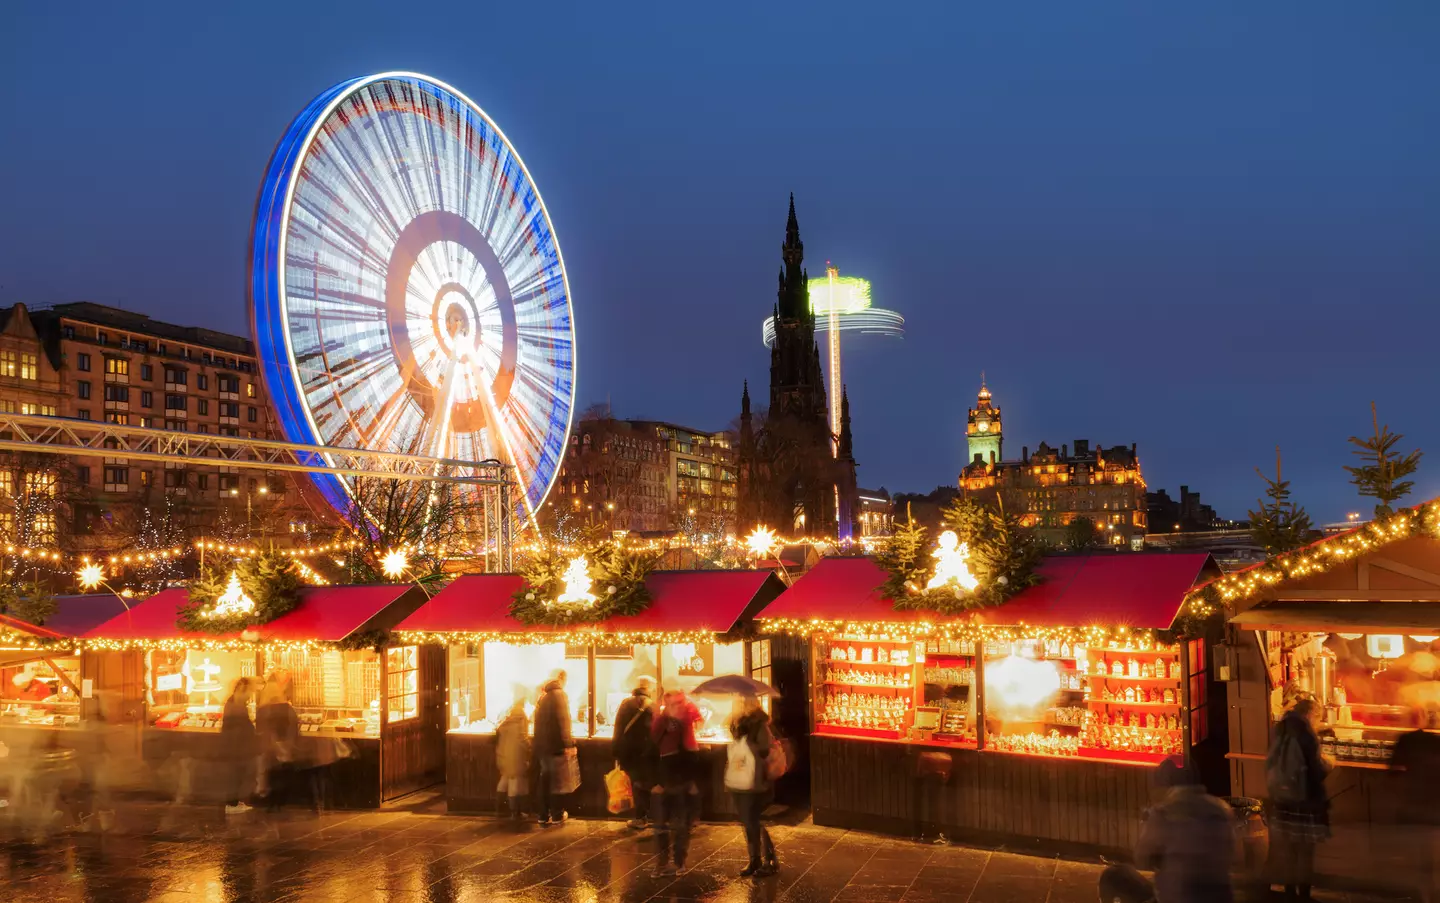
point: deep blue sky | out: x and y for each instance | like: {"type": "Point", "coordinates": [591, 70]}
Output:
{"type": "Point", "coordinates": [1206, 228]}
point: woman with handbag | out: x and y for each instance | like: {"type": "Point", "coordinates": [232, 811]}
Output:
{"type": "Point", "coordinates": [554, 751]}
{"type": "Point", "coordinates": [747, 777]}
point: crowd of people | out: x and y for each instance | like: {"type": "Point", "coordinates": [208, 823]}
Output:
{"type": "Point", "coordinates": [657, 749]}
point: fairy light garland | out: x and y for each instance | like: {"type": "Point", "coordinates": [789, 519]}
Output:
{"type": "Point", "coordinates": [1316, 558]}
{"type": "Point", "coordinates": [580, 637]}
{"type": "Point", "coordinates": [914, 631]}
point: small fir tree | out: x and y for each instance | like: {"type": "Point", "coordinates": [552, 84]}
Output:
{"type": "Point", "coordinates": [1005, 555]}
{"type": "Point", "coordinates": [1279, 524]}
{"type": "Point", "coordinates": [905, 557]}
{"type": "Point", "coordinates": [1081, 534]}
{"type": "Point", "coordinates": [1382, 475]}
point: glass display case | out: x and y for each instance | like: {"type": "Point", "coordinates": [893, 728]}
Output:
{"type": "Point", "coordinates": [42, 692]}
{"type": "Point", "coordinates": [1119, 701]}
{"type": "Point", "coordinates": [487, 680]}
{"type": "Point", "coordinates": [333, 691]}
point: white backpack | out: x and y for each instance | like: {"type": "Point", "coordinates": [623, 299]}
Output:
{"type": "Point", "coordinates": [739, 766]}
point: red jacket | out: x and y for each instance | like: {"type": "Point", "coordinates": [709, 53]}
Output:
{"type": "Point", "coordinates": [671, 735]}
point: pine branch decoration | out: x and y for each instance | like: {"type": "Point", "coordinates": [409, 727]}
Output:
{"type": "Point", "coordinates": [1382, 475]}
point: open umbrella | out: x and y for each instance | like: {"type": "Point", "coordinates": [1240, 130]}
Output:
{"type": "Point", "coordinates": [737, 684]}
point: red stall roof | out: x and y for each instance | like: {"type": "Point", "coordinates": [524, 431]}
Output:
{"type": "Point", "coordinates": [1117, 589]}
{"type": "Point", "coordinates": [73, 616]}
{"type": "Point", "coordinates": [704, 601]}
{"type": "Point", "coordinates": [325, 614]}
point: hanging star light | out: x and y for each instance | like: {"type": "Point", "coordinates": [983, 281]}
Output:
{"type": "Point", "coordinates": [233, 602]}
{"type": "Point", "coordinates": [950, 566]}
{"type": "Point", "coordinates": [577, 584]}
{"type": "Point", "coordinates": [90, 576]}
{"type": "Point", "coordinates": [394, 563]}
{"type": "Point", "coordinates": [760, 541]}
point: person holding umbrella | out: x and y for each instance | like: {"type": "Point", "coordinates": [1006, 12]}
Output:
{"type": "Point", "coordinates": [747, 777]}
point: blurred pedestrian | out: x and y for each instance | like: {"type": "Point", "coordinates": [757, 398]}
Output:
{"type": "Point", "coordinates": [553, 745]}
{"type": "Point", "coordinates": [674, 795]}
{"type": "Point", "coordinates": [1295, 774]}
{"type": "Point", "coordinates": [1416, 761]}
{"type": "Point", "coordinates": [1188, 839]}
{"type": "Point", "coordinates": [634, 750]}
{"type": "Point", "coordinates": [278, 731]}
{"type": "Point", "coordinates": [747, 776]}
{"type": "Point", "coordinates": [512, 757]}
{"type": "Point", "coordinates": [238, 747]}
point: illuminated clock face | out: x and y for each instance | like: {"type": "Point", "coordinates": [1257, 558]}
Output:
{"type": "Point", "coordinates": [408, 290]}
{"type": "Point", "coordinates": [983, 426]}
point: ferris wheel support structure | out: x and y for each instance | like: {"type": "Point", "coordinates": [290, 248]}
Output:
{"type": "Point", "coordinates": [61, 436]}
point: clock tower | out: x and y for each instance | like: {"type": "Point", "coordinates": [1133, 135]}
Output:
{"type": "Point", "coordinates": [982, 431]}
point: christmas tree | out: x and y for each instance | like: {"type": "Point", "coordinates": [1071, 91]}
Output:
{"type": "Point", "coordinates": [1382, 475]}
{"type": "Point", "coordinates": [1279, 525]}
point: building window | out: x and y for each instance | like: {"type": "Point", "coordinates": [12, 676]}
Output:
{"type": "Point", "coordinates": [202, 428]}
{"type": "Point", "coordinates": [229, 409]}
{"type": "Point", "coordinates": [117, 365]}
{"type": "Point", "coordinates": [83, 413]}
{"type": "Point", "coordinates": [147, 422]}
{"type": "Point", "coordinates": [144, 478]}
{"type": "Point", "coordinates": [176, 376]}
{"type": "Point", "coordinates": [82, 362]}
{"type": "Point", "coordinates": [202, 382]}
{"type": "Point", "coordinates": [104, 339]}
{"type": "Point", "coordinates": [119, 418]}
{"type": "Point", "coordinates": [147, 399]}
{"type": "Point", "coordinates": [175, 403]}
{"type": "Point", "coordinates": [202, 406]}
{"type": "Point", "coordinates": [117, 479]}
{"type": "Point", "coordinates": [7, 363]}
{"type": "Point", "coordinates": [402, 682]}
{"type": "Point", "coordinates": [116, 393]}
{"type": "Point", "coordinates": [82, 475]}
{"type": "Point", "coordinates": [29, 366]}
{"type": "Point", "coordinates": [230, 431]}
{"type": "Point", "coordinates": [147, 372]}
{"type": "Point", "coordinates": [249, 390]}
{"type": "Point", "coordinates": [174, 425]}
{"type": "Point", "coordinates": [250, 415]}
{"type": "Point", "coordinates": [202, 481]}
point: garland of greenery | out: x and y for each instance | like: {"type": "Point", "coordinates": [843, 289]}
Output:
{"type": "Point", "coordinates": [29, 602]}
{"type": "Point", "coordinates": [1003, 558]}
{"type": "Point", "coordinates": [365, 639]}
{"type": "Point", "coordinates": [270, 578]}
{"type": "Point", "coordinates": [617, 578]}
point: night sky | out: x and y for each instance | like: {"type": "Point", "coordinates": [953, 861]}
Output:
{"type": "Point", "coordinates": [1206, 230]}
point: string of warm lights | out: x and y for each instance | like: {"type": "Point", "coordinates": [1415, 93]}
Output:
{"type": "Point", "coordinates": [915, 631]}
{"type": "Point", "coordinates": [1316, 558]}
{"type": "Point", "coordinates": [37, 554]}
{"type": "Point", "coordinates": [201, 644]}
{"type": "Point", "coordinates": [310, 574]}
{"type": "Point", "coordinates": [579, 636]}
{"type": "Point", "coordinates": [150, 556]}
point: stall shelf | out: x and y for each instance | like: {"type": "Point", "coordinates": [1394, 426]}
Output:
{"type": "Point", "coordinates": [1357, 628]}
{"type": "Point", "coordinates": [1001, 724]}
{"type": "Point", "coordinates": [694, 628]}
{"type": "Point", "coordinates": [374, 715]}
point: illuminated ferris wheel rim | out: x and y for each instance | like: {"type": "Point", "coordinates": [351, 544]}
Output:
{"type": "Point", "coordinates": [285, 165]}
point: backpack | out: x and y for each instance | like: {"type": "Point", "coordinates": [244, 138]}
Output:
{"type": "Point", "coordinates": [740, 766]}
{"type": "Point", "coordinates": [1285, 771]}
{"type": "Point", "coordinates": [777, 763]}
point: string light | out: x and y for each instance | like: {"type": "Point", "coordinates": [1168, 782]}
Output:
{"type": "Point", "coordinates": [915, 631]}
{"type": "Point", "coordinates": [27, 552]}
{"type": "Point", "coordinates": [90, 576]}
{"type": "Point", "coordinates": [579, 636]}
{"type": "Point", "coordinates": [1316, 558]}
{"type": "Point", "coordinates": [310, 574]}
{"type": "Point", "coordinates": [394, 563]}
{"type": "Point", "coordinates": [760, 541]}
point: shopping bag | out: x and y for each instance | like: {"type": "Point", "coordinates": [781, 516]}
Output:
{"type": "Point", "coordinates": [566, 776]}
{"type": "Point", "coordinates": [778, 762]}
{"type": "Point", "coordinates": [622, 795]}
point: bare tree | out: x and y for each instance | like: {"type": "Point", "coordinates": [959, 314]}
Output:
{"type": "Point", "coordinates": [436, 523]}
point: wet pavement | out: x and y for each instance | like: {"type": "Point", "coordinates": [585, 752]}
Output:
{"type": "Point", "coordinates": [194, 855]}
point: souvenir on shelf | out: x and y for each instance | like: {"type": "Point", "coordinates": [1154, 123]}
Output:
{"type": "Point", "coordinates": [1117, 668]}
{"type": "Point", "coordinates": [1133, 668]}
{"type": "Point", "coordinates": [1129, 694]}
{"type": "Point", "coordinates": [882, 655]}
{"type": "Point", "coordinates": [1169, 696]}
{"type": "Point", "coordinates": [1147, 670]}
{"type": "Point", "coordinates": [867, 655]}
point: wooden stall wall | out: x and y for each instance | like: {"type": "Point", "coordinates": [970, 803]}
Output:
{"type": "Point", "coordinates": [412, 753]}
{"type": "Point", "coordinates": [873, 785]}
{"type": "Point", "coordinates": [789, 668]}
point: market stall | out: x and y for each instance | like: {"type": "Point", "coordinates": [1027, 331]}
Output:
{"type": "Point", "coordinates": [369, 709]}
{"type": "Point", "coordinates": [692, 629]}
{"type": "Point", "coordinates": [1039, 718]}
{"type": "Point", "coordinates": [1354, 622]}
{"type": "Point", "coordinates": [44, 679]}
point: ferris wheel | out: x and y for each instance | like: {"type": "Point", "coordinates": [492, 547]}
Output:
{"type": "Point", "coordinates": [407, 288]}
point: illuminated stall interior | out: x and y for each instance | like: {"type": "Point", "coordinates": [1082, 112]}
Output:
{"type": "Point", "coordinates": [686, 635]}
{"type": "Point", "coordinates": [1078, 665]}
{"type": "Point", "coordinates": [42, 679]}
{"type": "Point", "coordinates": [375, 698]}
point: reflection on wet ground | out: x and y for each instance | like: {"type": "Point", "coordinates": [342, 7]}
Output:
{"type": "Point", "coordinates": [197, 855]}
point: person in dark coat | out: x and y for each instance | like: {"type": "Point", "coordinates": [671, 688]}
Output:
{"type": "Point", "coordinates": [1298, 826]}
{"type": "Point", "coordinates": [239, 747]}
{"type": "Point", "coordinates": [633, 749]}
{"type": "Point", "coordinates": [552, 740]}
{"type": "Point", "coordinates": [1188, 839]}
{"type": "Point", "coordinates": [1416, 762]}
{"type": "Point", "coordinates": [278, 732]}
{"type": "Point", "coordinates": [752, 727]}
